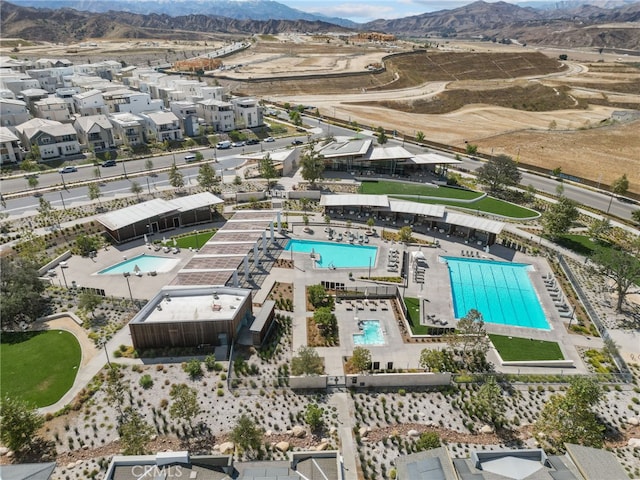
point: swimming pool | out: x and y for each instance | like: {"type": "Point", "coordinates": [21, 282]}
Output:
{"type": "Point", "coordinates": [337, 255]}
{"type": "Point", "coordinates": [501, 291]}
{"type": "Point", "coordinates": [145, 263]}
{"type": "Point", "coordinates": [371, 333]}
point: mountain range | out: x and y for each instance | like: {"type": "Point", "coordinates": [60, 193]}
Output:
{"type": "Point", "coordinates": [570, 26]}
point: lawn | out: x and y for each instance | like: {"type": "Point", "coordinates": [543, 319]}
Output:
{"type": "Point", "coordinates": [486, 204]}
{"type": "Point", "coordinates": [413, 309]}
{"type": "Point", "coordinates": [195, 241]}
{"type": "Point", "coordinates": [581, 244]}
{"type": "Point", "coordinates": [513, 349]}
{"type": "Point", "coordinates": [400, 188]}
{"type": "Point", "coordinates": [38, 367]}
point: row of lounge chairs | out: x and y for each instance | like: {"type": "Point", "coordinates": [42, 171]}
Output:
{"type": "Point", "coordinates": [392, 261]}
{"type": "Point", "coordinates": [470, 253]}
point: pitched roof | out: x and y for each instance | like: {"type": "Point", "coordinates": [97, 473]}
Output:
{"type": "Point", "coordinates": [27, 471]}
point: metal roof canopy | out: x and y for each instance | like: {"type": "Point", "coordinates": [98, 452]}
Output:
{"type": "Point", "coordinates": [415, 208]}
{"type": "Point", "coordinates": [354, 200]}
{"type": "Point", "coordinates": [387, 153]}
{"type": "Point", "coordinates": [477, 223]}
{"type": "Point", "coordinates": [433, 159]}
{"type": "Point", "coordinates": [192, 202]}
{"type": "Point", "coordinates": [136, 213]}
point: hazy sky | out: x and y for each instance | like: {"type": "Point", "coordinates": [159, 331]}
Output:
{"type": "Point", "coordinates": [367, 10]}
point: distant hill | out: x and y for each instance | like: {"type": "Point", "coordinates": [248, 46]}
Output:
{"type": "Point", "coordinates": [240, 10]}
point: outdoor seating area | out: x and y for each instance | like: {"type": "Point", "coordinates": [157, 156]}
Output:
{"type": "Point", "coordinates": [393, 260]}
{"type": "Point", "coordinates": [556, 294]}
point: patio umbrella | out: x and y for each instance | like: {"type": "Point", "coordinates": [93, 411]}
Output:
{"type": "Point", "coordinates": [175, 242]}
{"type": "Point", "coordinates": [164, 240]}
{"type": "Point", "coordinates": [146, 240]}
{"type": "Point", "coordinates": [136, 268]}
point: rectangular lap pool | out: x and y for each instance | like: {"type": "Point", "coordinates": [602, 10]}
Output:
{"type": "Point", "coordinates": [501, 291]}
{"type": "Point", "coordinates": [144, 263]}
{"type": "Point", "coordinates": [336, 255]}
{"type": "Point", "coordinates": [371, 333]}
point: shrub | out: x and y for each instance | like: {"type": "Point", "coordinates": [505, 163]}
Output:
{"type": "Point", "coordinates": [146, 381]}
{"type": "Point", "coordinates": [210, 362]}
{"type": "Point", "coordinates": [193, 368]}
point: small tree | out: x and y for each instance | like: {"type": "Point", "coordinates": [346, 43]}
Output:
{"type": "Point", "coordinates": [470, 335]}
{"type": "Point", "coordinates": [499, 173]}
{"type": "Point", "coordinates": [21, 291]}
{"type": "Point", "coordinates": [148, 165]}
{"type": "Point", "coordinates": [313, 416]}
{"type": "Point", "coordinates": [360, 359]}
{"type": "Point", "coordinates": [620, 185]}
{"type": "Point", "coordinates": [437, 360]}
{"type": "Point", "coordinates": [267, 169]}
{"type": "Point", "coordinates": [312, 164]}
{"type": "Point", "coordinates": [326, 321]}
{"type": "Point", "coordinates": [206, 176]}
{"type": "Point", "coordinates": [135, 433]}
{"type": "Point", "coordinates": [427, 441]}
{"type": "Point", "coordinates": [176, 179]}
{"type": "Point", "coordinates": [94, 192]}
{"type": "Point", "coordinates": [471, 149]}
{"type": "Point", "coordinates": [89, 301]}
{"type": "Point", "coordinates": [136, 189]}
{"type": "Point", "coordinates": [621, 267]}
{"type": "Point", "coordinates": [19, 423]}
{"type": "Point", "coordinates": [635, 215]}
{"type": "Point", "coordinates": [489, 403]}
{"type": "Point", "coordinates": [295, 117]}
{"type": "Point", "coordinates": [48, 214]}
{"type": "Point", "coordinates": [246, 434]}
{"type": "Point", "coordinates": [557, 219]}
{"type": "Point", "coordinates": [316, 295]}
{"type": "Point", "coordinates": [185, 404]}
{"type": "Point", "coordinates": [210, 362]}
{"type": "Point", "coordinates": [420, 137]}
{"type": "Point", "coordinates": [115, 390]}
{"type": "Point", "coordinates": [32, 181]}
{"type": "Point", "coordinates": [307, 362]}
{"type": "Point", "coordinates": [370, 223]}
{"type": "Point", "coordinates": [381, 136]}
{"type": "Point", "coordinates": [405, 234]}
{"type": "Point", "coordinates": [599, 228]}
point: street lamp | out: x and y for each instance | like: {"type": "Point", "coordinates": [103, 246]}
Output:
{"type": "Point", "coordinates": [126, 275]}
{"type": "Point", "coordinates": [64, 185]}
{"type": "Point", "coordinates": [103, 344]}
{"type": "Point", "coordinates": [62, 198]}
{"type": "Point", "coordinates": [148, 187]}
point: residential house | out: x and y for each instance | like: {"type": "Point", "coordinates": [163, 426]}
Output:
{"type": "Point", "coordinates": [124, 100]}
{"type": "Point", "coordinates": [15, 64]}
{"type": "Point", "coordinates": [66, 94]}
{"type": "Point", "coordinates": [95, 132]}
{"type": "Point", "coordinates": [13, 112]}
{"type": "Point", "coordinates": [10, 150]}
{"type": "Point", "coordinates": [128, 129]}
{"type": "Point", "coordinates": [107, 69]}
{"type": "Point", "coordinates": [217, 114]}
{"type": "Point", "coordinates": [90, 102]}
{"type": "Point", "coordinates": [188, 116]}
{"type": "Point", "coordinates": [6, 93]}
{"type": "Point", "coordinates": [248, 112]}
{"type": "Point", "coordinates": [52, 77]}
{"type": "Point", "coordinates": [54, 139]}
{"type": "Point", "coordinates": [52, 63]}
{"type": "Point", "coordinates": [52, 108]}
{"type": "Point", "coordinates": [33, 95]}
{"type": "Point", "coordinates": [164, 126]}
{"type": "Point", "coordinates": [18, 83]}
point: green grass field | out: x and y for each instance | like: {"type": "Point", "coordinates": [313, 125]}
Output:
{"type": "Point", "coordinates": [413, 309]}
{"type": "Point", "coordinates": [447, 196]}
{"type": "Point", "coordinates": [513, 349]}
{"type": "Point", "coordinates": [38, 367]}
{"type": "Point", "coordinates": [194, 241]}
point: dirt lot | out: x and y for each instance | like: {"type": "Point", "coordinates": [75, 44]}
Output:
{"type": "Point", "coordinates": [482, 92]}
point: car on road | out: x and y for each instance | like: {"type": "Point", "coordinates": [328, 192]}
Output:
{"type": "Point", "coordinates": [68, 169]}
{"type": "Point", "coordinates": [223, 145]}
{"type": "Point", "coordinates": [109, 163]}
{"type": "Point", "coordinates": [190, 157]}
{"type": "Point", "coordinates": [253, 141]}
{"type": "Point", "coordinates": [238, 144]}
{"type": "Point", "coordinates": [269, 139]}
{"type": "Point", "coordinates": [296, 142]}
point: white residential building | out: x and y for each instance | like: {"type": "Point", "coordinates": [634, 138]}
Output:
{"type": "Point", "coordinates": [13, 112]}
{"type": "Point", "coordinates": [90, 102]}
{"type": "Point", "coordinates": [123, 100]}
{"type": "Point", "coordinates": [217, 114]}
{"type": "Point", "coordinates": [66, 94]}
{"type": "Point", "coordinates": [188, 116]}
{"type": "Point", "coordinates": [51, 78]}
{"type": "Point", "coordinates": [54, 139]}
{"type": "Point", "coordinates": [95, 132]}
{"type": "Point", "coordinates": [52, 108]}
{"type": "Point", "coordinates": [128, 129]}
{"type": "Point", "coordinates": [10, 151]}
{"type": "Point", "coordinates": [18, 83]}
{"type": "Point", "coordinates": [164, 126]}
{"type": "Point", "coordinates": [248, 112]}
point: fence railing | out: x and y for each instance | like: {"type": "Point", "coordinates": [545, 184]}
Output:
{"type": "Point", "coordinates": [595, 318]}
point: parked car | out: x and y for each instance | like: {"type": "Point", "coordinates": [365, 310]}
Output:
{"type": "Point", "coordinates": [238, 144]}
{"type": "Point", "coordinates": [296, 142]}
{"type": "Point", "coordinates": [190, 157]}
{"type": "Point", "coordinates": [252, 141]}
{"type": "Point", "coordinates": [269, 139]}
{"type": "Point", "coordinates": [109, 163]}
{"type": "Point", "coordinates": [223, 145]}
{"type": "Point", "coordinates": [68, 169]}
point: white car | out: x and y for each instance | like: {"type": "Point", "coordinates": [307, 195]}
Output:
{"type": "Point", "coordinates": [269, 139]}
{"type": "Point", "coordinates": [68, 169]}
{"type": "Point", "coordinates": [238, 144]}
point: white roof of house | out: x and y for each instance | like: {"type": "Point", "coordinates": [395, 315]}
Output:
{"type": "Point", "coordinates": [88, 93]}
{"type": "Point", "coordinates": [347, 147]}
{"type": "Point", "coordinates": [7, 135]}
{"type": "Point", "coordinates": [11, 101]}
{"type": "Point", "coordinates": [125, 118]}
{"type": "Point", "coordinates": [86, 123]}
{"type": "Point", "coordinates": [51, 101]}
{"type": "Point", "coordinates": [211, 101]}
{"type": "Point", "coordinates": [160, 118]}
{"type": "Point", "coordinates": [387, 153]}
{"type": "Point", "coordinates": [143, 211]}
{"type": "Point", "coordinates": [35, 125]}
{"type": "Point", "coordinates": [416, 208]}
{"type": "Point", "coordinates": [477, 223]}
{"type": "Point", "coordinates": [354, 200]}
{"type": "Point", "coordinates": [433, 159]}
